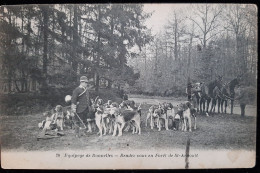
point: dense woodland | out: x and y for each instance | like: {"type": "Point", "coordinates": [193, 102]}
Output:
{"type": "Point", "coordinates": [200, 42]}
{"type": "Point", "coordinates": [45, 47]}
{"type": "Point", "coordinates": [48, 47]}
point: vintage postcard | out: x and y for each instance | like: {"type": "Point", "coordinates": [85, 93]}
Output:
{"type": "Point", "coordinates": [128, 86]}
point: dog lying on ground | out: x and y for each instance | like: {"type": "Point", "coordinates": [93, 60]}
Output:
{"type": "Point", "coordinates": [54, 119]}
{"type": "Point", "coordinates": [47, 123]}
{"type": "Point", "coordinates": [123, 116]}
{"type": "Point", "coordinates": [186, 111]}
{"type": "Point", "coordinates": [58, 117]}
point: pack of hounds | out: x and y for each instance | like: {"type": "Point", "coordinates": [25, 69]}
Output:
{"type": "Point", "coordinates": [114, 118]}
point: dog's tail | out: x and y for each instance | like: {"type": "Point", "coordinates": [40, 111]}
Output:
{"type": "Point", "coordinates": [95, 101]}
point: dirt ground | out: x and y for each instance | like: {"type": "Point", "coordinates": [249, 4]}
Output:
{"type": "Point", "coordinates": [219, 131]}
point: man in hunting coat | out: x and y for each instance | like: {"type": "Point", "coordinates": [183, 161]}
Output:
{"type": "Point", "coordinates": [80, 103]}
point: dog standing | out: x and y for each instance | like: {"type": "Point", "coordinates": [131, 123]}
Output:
{"type": "Point", "coordinates": [104, 120]}
{"type": "Point", "coordinates": [186, 111]}
{"type": "Point", "coordinates": [162, 115]}
{"type": "Point", "coordinates": [125, 116]}
{"type": "Point", "coordinates": [150, 115]}
{"type": "Point", "coordinates": [170, 113]}
{"type": "Point", "coordinates": [101, 117]}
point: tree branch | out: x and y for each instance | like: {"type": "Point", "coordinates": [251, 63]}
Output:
{"type": "Point", "coordinates": [197, 24]}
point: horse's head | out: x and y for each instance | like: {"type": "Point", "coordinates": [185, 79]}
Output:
{"type": "Point", "coordinates": [235, 82]}
{"type": "Point", "coordinates": [218, 83]}
{"type": "Point", "coordinates": [239, 79]}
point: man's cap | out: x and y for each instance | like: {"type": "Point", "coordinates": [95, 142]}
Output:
{"type": "Point", "coordinates": [83, 79]}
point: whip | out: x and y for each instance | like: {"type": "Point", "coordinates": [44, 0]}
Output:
{"type": "Point", "coordinates": [80, 121]}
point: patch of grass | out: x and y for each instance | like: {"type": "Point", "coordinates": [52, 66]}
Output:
{"type": "Point", "coordinates": [220, 131]}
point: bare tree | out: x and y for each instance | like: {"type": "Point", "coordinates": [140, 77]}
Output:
{"type": "Point", "coordinates": [206, 17]}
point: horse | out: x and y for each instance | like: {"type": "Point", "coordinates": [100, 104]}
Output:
{"type": "Point", "coordinates": [217, 97]}
{"type": "Point", "coordinates": [207, 94]}
{"type": "Point", "coordinates": [228, 93]}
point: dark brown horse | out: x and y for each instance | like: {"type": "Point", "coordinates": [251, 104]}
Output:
{"type": "Point", "coordinates": [207, 94]}
{"type": "Point", "coordinates": [228, 93]}
{"type": "Point", "coordinates": [217, 97]}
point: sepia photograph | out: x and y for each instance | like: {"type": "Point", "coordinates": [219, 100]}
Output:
{"type": "Point", "coordinates": [128, 86]}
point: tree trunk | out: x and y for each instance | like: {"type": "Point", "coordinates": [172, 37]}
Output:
{"type": "Point", "coordinates": [75, 39]}
{"type": "Point", "coordinates": [98, 52]}
{"type": "Point", "coordinates": [45, 45]}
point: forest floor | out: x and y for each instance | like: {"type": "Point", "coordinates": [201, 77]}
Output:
{"type": "Point", "coordinates": [218, 131]}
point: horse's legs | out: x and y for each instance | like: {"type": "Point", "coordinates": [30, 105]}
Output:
{"type": "Point", "coordinates": [219, 102]}
{"type": "Point", "coordinates": [222, 102]}
{"type": "Point", "coordinates": [208, 102]}
{"type": "Point", "coordinates": [232, 104]}
{"type": "Point", "coordinates": [203, 105]}
{"type": "Point", "coordinates": [225, 106]}
{"type": "Point", "coordinates": [213, 105]}
{"type": "Point", "coordinates": [198, 103]}
{"type": "Point", "coordinates": [201, 102]}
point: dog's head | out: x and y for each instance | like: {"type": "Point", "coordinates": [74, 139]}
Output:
{"type": "Point", "coordinates": [151, 109]}
{"type": "Point", "coordinates": [163, 107]}
{"type": "Point", "coordinates": [92, 101]}
{"type": "Point", "coordinates": [41, 124]}
{"type": "Point", "coordinates": [184, 106]}
{"type": "Point", "coordinates": [100, 102]}
{"type": "Point", "coordinates": [58, 108]}
{"type": "Point", "coordinates": [114, 112]}
{"type": "Point", "coordinates": [168, 106]}
{"type": "Point", "coordinates": [188, 105]}
{"type": "Point", "coordinates": [109, 102]}
{"type": "Point", "coordinates": [123, 105]}
{"type": "Point", "coordinates": [158, 112]}
{"type": "Point", "coordinates": [128, 103]}
{"type": "Point", "coordinates": [100, 109]}
{"type": "Point", "coordinates": [114, 104]}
